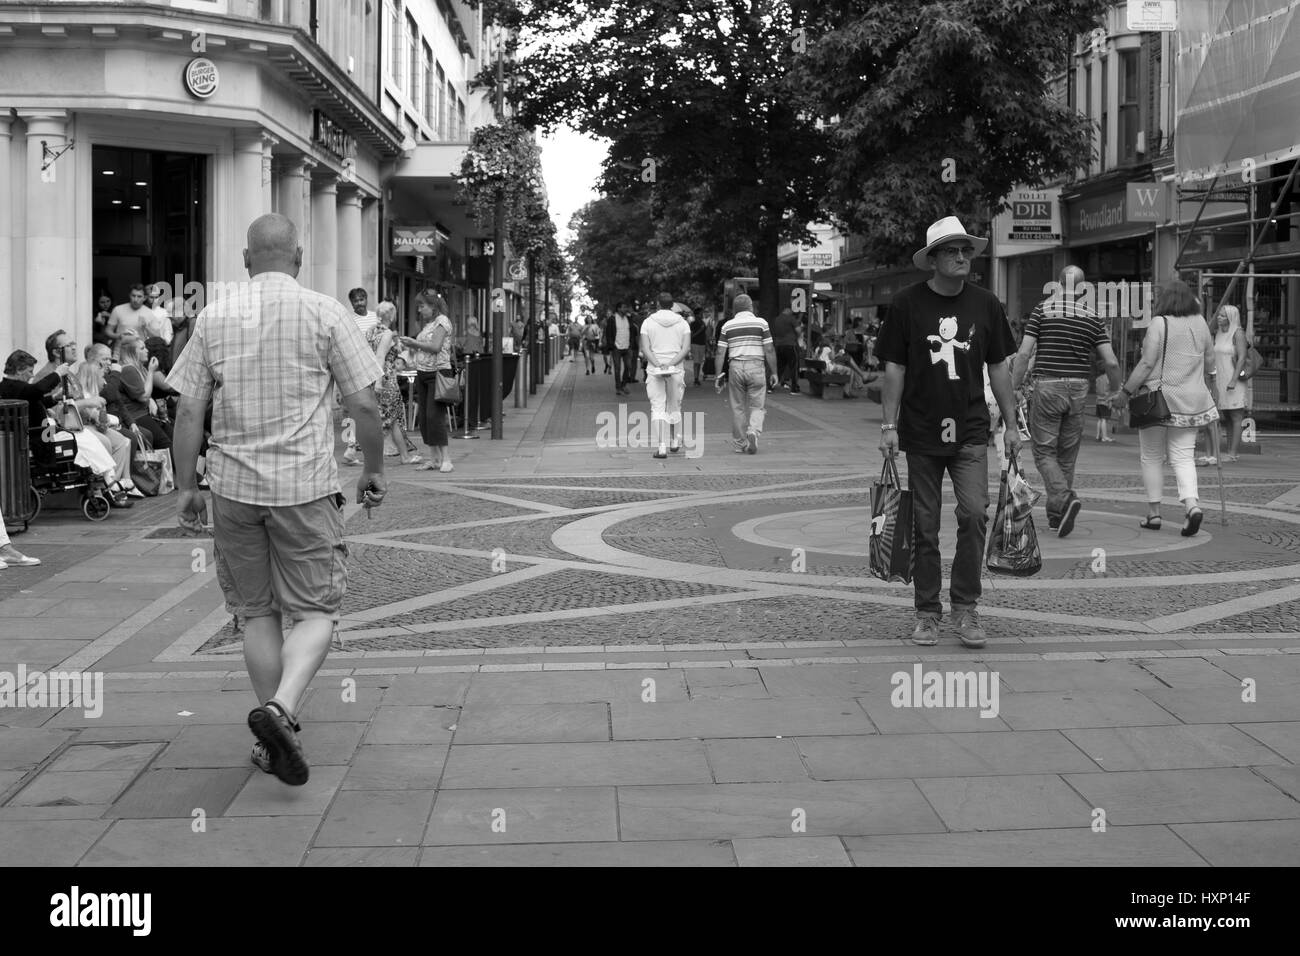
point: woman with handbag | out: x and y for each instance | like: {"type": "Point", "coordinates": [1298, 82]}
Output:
{"type": "Point", "coordinates": [1230, 357]}
{"type": "Point", "coordinates": [432, 348]}
{"type": "Point", "coordinates": [392, 411]}
{"type": "Point", "coordinates": [1169, 399]}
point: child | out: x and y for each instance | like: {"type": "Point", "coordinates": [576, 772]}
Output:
{"type": "Point", "coordinates": [1103, 409]}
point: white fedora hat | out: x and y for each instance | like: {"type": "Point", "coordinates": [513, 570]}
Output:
{"type": "Point", "coordinates": [949, 227]}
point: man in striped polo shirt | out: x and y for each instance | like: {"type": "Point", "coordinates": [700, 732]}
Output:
{"type": "Point", "coordinates": [1061, 335]}
{"type": "Point", "coordinates": [751, 372]}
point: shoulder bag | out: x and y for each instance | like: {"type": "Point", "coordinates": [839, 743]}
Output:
{"type": "Point", "coordinates": [447, 387]}
{"type": "Point", "coordinates": [1254, 361]}
{"type": "Point", "coordinates": [1148, 407]}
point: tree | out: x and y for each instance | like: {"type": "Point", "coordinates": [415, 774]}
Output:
{"type": "Point", "coordinates": [692, 98]}
{"type": "Point", "coordinates": [609, 249]}
{"type": "Point", "coordinates": [942, 108]}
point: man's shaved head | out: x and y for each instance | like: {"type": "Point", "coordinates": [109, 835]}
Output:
{"type": "Point", "coordinates": [1072, 277]}
{"type": "Point", "coordinates": [273, 246]}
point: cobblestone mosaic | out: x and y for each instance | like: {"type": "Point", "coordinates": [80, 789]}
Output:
{"type": "Point", "coordinates": [560, 590]}
{"type": "Point", "coordinates": [1283, 618]}
{"type": "Point", "coordinates": [378, 575]}
{"type": "Point", "coordinates": [673, 483]}
{"type": "Point", "coordinates": [1136, 604]}
{"type": "Point", "coordinates": [411, 506]}
{"type": "Point", "coordinates": [574, 498]}
{"type": "Point", "coordinates": [532, 537]}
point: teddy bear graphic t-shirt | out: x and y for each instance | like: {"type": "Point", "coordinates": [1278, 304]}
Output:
{"type": "Point", "coordinates": [944, 342]}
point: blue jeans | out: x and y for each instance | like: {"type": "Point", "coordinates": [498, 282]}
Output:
{"type": "Point", "coordinates": [969, 470]}
{"type": "Point", "coordinates": [1056, 427]}
{"type": "Point", "coordinates": [747, 390]}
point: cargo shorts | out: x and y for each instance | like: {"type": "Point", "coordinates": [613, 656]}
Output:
{"type": "Point", "coordinates": [288, 559]}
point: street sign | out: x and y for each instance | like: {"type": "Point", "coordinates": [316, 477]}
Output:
{"type": "Point", "coordinates": [1153, 15]}
{"type": "Point", "coordinates": [817, 259]}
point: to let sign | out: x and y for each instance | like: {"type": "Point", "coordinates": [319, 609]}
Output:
{"type": "Point", "coordinates": [817, 259]}
{"type": "Point", "coordinates": [1152, 15]}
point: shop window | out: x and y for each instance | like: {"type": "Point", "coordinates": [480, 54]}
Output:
{"type": "Point", "coordinates": [413, 61]}
{"type": "Point", "coordinates": [393, 49]}
{"type": "Point", "coordinates": [430, 98]}
{"type": "Point", "coordinates": [440, 127]}
{"type": "Point", "coordinates": [450, 95]}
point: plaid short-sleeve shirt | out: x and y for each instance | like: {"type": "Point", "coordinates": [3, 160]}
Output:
{"type": "Point", "coordinates": [269, 356]}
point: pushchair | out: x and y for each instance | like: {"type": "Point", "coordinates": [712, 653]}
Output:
{"type": "Point", "coordinates": [54, 470]}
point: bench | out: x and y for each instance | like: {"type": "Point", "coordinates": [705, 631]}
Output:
{"type": "Point", "coordinates": [823, 384]}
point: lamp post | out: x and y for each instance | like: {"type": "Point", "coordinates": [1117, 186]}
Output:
{"type": "Point", "coordinates": [498, 303]}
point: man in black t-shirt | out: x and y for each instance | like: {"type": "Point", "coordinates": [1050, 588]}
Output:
{"type": "Point", "coordinates": [935, 344]}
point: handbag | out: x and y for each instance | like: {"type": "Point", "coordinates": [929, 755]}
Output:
{"type": "Point", "coordinates": [1254, 362]}
{"type": "Point", "coordinates": [1148, 408]}
{"type": "Point", "coordinates": [448, 389]}
{"type": "Point", "coordinates": [70, 417]}
{"type": "Point", "coordinates": [1013, 542]}
{"type": "Point", "coordinates": [151, 470]}
{"type": "Point", "coordinates": [890, 549]}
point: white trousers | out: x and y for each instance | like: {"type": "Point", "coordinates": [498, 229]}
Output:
{"type": "Point", "coordinates": [1179, 446]}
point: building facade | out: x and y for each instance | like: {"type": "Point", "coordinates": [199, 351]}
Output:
{"type": "Point", "coordinates": [139, 140]}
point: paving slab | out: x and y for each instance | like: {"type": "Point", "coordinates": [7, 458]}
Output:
{"type": "Point", "coordinates": [1185, 672]}
{"type": "Point", "coordinates": [23, 748]}
{"type": "Point", "coordinates": [438, 690]}
{"type": "Point", "coordinates": [533, 723]}
{"type": "Point", "coordinates": [331, 700]}
{"type": "Point", "coordinates": [611, 763]}
{"type": "Point", "coordinates": [1078, 846]}
{"type": "Point", "coordinates": [1282, 737]}
{"type": "Point", "coordinates": [396, 767]}
{"type": "Point", "coordinates": [1025, 676]}
{"type": "Point", "coordinates": [1286, 778]}
{"type": "Point", "coordinates": [243, 841]}
{"type": "Point", "coordinates": [1265, 669]}
{"type": "Point", "coordinates": [46, 813]}
{"type": "Point", "coordinates": [566, 687]}
{"type": "Point", "coordinates": [101, 756]}
{"type": "Point", "coordinates": [755, 761]}
{"type": "Point", "coordinates": [555, 815]}
{"type": "Point", "coordinates": [92, 788]}
{"type": "Point", "coordinates": [791, 851]}
{"type": "Point", "coordinates": [265, 796]}
{"type": "Point", "coordinates": [850, 680]}
{"type": "Point", "coordinates": [889, 719]}
{"type": "Point", "coordinates": [1223, 704]}
{"type": "Point", "coordinates": [1059, 710]}
{"type": "Point", "coordinates": [655, 853]}
{"type": "Point", "coordinates": [1172, 748]}
{"type": "Point", "coordinates": [1184, 796]}
{"type": "Point", "coordinates": [328, 743]}
{"type": "Point", "coordinates": [48, 842]}
{"type": "Point", "coordinates": [940, 755]}
{"type": "Point", "coordinates": [209, 745]}
{"type": "Point", "coordinates": [725, 683]}
{"type": "Point", "coordinates": [1017, 802]}
{"type": "Point", "coordinates": [732, 811]}
{"type": "Point", "coordinates": [376, 818]}
{"type": "Point", "coordinates": [161, 709]}
{"type": "Point", "coordinates": [87, 735]}
{"type": "Point", "coordinates": [412, 725]}
{"type": "Point", "coordinates": [157, 794]}
{"type": "Point", "coordinates": [1255, 843]}
{"type": "Point", "coordinates": [363, 856]}
{"type": "Point", "coordinates": [36, 652]}
{"type": "Point", "coordinates": [787, 717]}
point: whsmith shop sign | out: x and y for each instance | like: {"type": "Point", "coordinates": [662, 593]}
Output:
{"type": "Point", "coordinates": [1116, 215]}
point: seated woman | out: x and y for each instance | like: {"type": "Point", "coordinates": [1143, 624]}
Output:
{"type": "Point", "coordinates": [838, 362]}
{"type": "Point", "coordinates": [129, 391]}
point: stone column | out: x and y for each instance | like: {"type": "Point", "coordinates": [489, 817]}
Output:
{"type": "Point", "coordinates": [349, 261]}
{"type": "Point", "coordinates": [294, 185]}
{"type": "Point", "coordinates": [248, 180]}
{"type": "Point", "coordinates": [8, 268]}
{"type": "Point", "coordinates": [51, 230]}
{"type": "Point", "coordinates": [269, 142]}
{"type": "Point", "coordinates": [325, 234]}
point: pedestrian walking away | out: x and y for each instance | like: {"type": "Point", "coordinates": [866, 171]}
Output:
{"type": "Point", "coordinates": [1178, 360]}
{"type": "Point", "coordinates": [277, 512]}
{"type": "Point", "coordinates": [937, 340]}
{"type": "Point", "coordinates": [665, 341]}
{"type": "Point", "coordinates": [746, 363]}
{"type": "Point", "coordinates": [1061, 336]}
{"type": "Point", "coordinates": [621, 333]}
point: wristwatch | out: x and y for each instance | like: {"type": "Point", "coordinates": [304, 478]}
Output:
{"type": "Point", "coordinates": [889, 428]}
{"type": "Point", "coordinates": [1124, 389]}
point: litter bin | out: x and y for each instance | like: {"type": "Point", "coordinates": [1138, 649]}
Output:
{"type": "Point", "coordinates": [15, 474]}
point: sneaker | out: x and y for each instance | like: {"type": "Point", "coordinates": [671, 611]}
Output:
{"type": "Point", "coordinates": [445, 467]}
{"type": "Point", "coordinates": [740, 449]}
{"type": "Point", "coordinates": [661, 453]}
{"type": "Point", "coordinates": [968, 627]}
{"type": "Point", "coordinates": [752, 443]}
{"type": "Point", "coordinates": [12, 558]}
{"type": "Point", "coordinates": [277, 731]}
{"type": "Point", "coordinates": [261, 757]}
{"type": "Point", "coordinates": [1072, 509]}
{"type": "Point", "coordinates": [1053, 524]}
{"type": "Point", "coordinates": [926, 631]}
{"type": "Point", "coordinates": [350, 459]}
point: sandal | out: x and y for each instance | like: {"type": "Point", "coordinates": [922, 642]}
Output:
{"type": "Point", "coordinates": [1193, 522]}
{"type": "Point", "coordinates": [277, 731]}
{"type": "Point", "coordinates": [426, 466]}
{"type": "Point", "coordinates": [1150, 522]}
{"type": "Point", "coordinates": [413, 460]}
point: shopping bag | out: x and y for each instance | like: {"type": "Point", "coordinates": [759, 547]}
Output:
{"type": "Point", "coordinates": [890, 548]}
{"type": "Point", "coordinates": [1013, 543]}
{"type": "Point", "coordinates": [149, 468]}
{"type": "Point", "coordinates": [447, 387]}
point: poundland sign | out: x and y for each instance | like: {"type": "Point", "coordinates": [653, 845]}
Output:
{"type": "Point", "coordinates": [1117, 215]}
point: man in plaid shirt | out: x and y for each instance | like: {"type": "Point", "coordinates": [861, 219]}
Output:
{"type": "Point", "coordinates": [269, 358]}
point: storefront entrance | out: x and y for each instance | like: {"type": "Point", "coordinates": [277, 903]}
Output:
{"type": "Point", "coordinates": [148, 224]}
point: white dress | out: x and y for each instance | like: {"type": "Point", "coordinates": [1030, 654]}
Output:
{"type": "Point", "coordinates": [1225, 362]}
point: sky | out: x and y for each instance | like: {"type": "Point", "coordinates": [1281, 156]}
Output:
{"type": "Point", "coordinates": [571, 166]}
